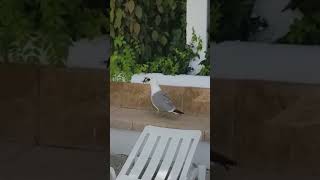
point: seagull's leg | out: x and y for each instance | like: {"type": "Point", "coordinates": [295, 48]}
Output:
{"type": "Point", "coordinates": [157, 110]}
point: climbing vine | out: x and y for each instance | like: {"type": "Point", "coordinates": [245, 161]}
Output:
{"type": "Point", "coordinates": [124, 63]}
{"type": "Point", "coordinates": [154, 34]}
{"type": "Point", "coordinates": [159, 25]}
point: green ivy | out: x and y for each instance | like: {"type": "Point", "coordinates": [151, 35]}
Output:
{"type": "Point", "coordinates": [125, 53]}
{"type": "Point", "coordinates": [205, 71]}
{"type": "Point", "coordinates": [153, 39]}
{"type": "Point", "coordinates": [35, 30]}
{"type": "Point", "coordinates": [159, 25]}
{"type": "Point", "coordinates": [123, 60]}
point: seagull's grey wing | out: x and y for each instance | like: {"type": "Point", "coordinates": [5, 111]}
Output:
{"type": "Point", "coordinates": [162, 101]}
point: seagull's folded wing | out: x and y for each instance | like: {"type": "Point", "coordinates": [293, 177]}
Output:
{"type": "Point", "coordinates": [162, 101]}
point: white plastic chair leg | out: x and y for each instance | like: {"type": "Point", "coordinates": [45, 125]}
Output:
{"type": "Point", "coordinates": [112, 174]}
{"type": "Point", "coordinates": [202, 172]}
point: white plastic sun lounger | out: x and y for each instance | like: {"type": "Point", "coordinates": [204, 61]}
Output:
{"type": "Point", "coordinates": [162, 154]}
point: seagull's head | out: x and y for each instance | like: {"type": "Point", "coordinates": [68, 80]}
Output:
{"type": "Point", "coordinates": [146, 80]}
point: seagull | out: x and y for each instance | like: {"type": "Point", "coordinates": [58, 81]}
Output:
{"type": "Point", "coordinates": [159, 99]}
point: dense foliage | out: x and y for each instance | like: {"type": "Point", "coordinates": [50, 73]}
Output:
{"type": "Point", "coordinates": [305, 30]}
{"type": "Point", "coordinates": [32, 31]}
{"type": "Point", "coordinates": [153, 35]}
{"type": "Point", "coordinates": [124, 63]}
{"type": "Point", "coordinates": [231, 20]}
{"type": "Point", "coordinates": [159, 25]}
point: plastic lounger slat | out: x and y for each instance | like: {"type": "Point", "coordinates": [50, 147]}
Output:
{"type": "Point", "coordinates": [144, 156]}
{"type": "Point", "coordinates": [164, 168]}
{"type": "Point", "coordinates": [133, 153]}
{"type": "Point", "coordinates": [154, 163]}
{"type": "Point", "coordinates": [166, 153]}
{"type": "Point", "coordinates": [189, 159]}
{"type": "Point", "coordinates": [176, 169]}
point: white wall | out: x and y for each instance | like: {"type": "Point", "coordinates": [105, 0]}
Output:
{"type": "Point", "coordinates": [122, 141]}
{"type": "Point", "coordinates": [197, 18]}
{"type": "Point", "coordinates": [245, 60]}
{"type": "Point", "coordinates": [177, 80]}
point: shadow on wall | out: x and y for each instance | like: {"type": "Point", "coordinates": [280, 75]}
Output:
{"type": "Point", "coordinates": [267, 125]}
{"type": "Point", "coordinates": [62, 107]}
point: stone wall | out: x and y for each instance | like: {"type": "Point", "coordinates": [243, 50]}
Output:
{"type": "Point", "coordinates": [267, 125]}
{"type": "Point", "coordinates": [61, 107]}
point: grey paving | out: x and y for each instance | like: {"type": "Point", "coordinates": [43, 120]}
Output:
{"type": "Point", "coordinates": [248, 174]}
{"type": "Point", "coordinates": [117, 161]}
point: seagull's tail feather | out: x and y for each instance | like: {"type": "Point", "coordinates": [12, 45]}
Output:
{"type": "Point", "coordinates": [176, 111]}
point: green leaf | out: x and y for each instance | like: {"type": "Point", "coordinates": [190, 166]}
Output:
{"type": "Point", "coordinates": [130, 6]}
{"type": "Point", "coordinates": [158, 20]}
{"type": "Point", "coordinates": [173, 5]}
{"type": "Point", "coordinates": [112, 33]}
{"type": "Point", "coordinates": [111, 15]}
{"type": "Point", "coordinates": [170, 2]}
{"type": "Point", "coordinates": [138, 12]}
{"type": "Point", "coordinates": [119, 15]}
{"type": "Point", "coordinates": [160, 9]}
{"type": "Point", "coordinates": [112, 4]}
{"type": "Point", "coordinates": [131, 27]}
{"type": "Point", "coordinates": [158, 2]}
{"type": "Point", "coordinates": [136, 28]}
{"type": "Point", "coordinates": [155, 35]}
{"type": "Point", "coordinates": [163, 40]}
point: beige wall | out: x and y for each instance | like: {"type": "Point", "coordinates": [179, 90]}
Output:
{"type": "Point", "coordinates": [192, 101]}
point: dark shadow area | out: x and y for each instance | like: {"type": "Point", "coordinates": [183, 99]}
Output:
{"type": "Point", "coordinates": [54, 95]}
{"type": "Point", "coordinates": [265, 89]}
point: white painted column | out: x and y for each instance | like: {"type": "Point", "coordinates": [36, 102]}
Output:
{"type": "Point", "coordinates": [197, 18]}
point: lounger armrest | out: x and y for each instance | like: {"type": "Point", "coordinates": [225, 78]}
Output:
{"type": "Point", "coordinates": [112, 174]}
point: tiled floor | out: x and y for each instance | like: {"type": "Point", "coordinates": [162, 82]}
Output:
{"type": "Point", "coordinates": [136, 120]}
{"type": "Point", "coordinates": [118, 160]}
{"type": "Point", "coordinates": [22, 162]}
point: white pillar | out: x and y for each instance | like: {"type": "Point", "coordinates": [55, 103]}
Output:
{"type": "Point", "coordinates": [197, 18]}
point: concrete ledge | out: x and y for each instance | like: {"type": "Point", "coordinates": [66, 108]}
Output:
{"type": "Point", "coordinates": [136, 120]}
{"type": "Point", "coordinates": [193, 101]}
